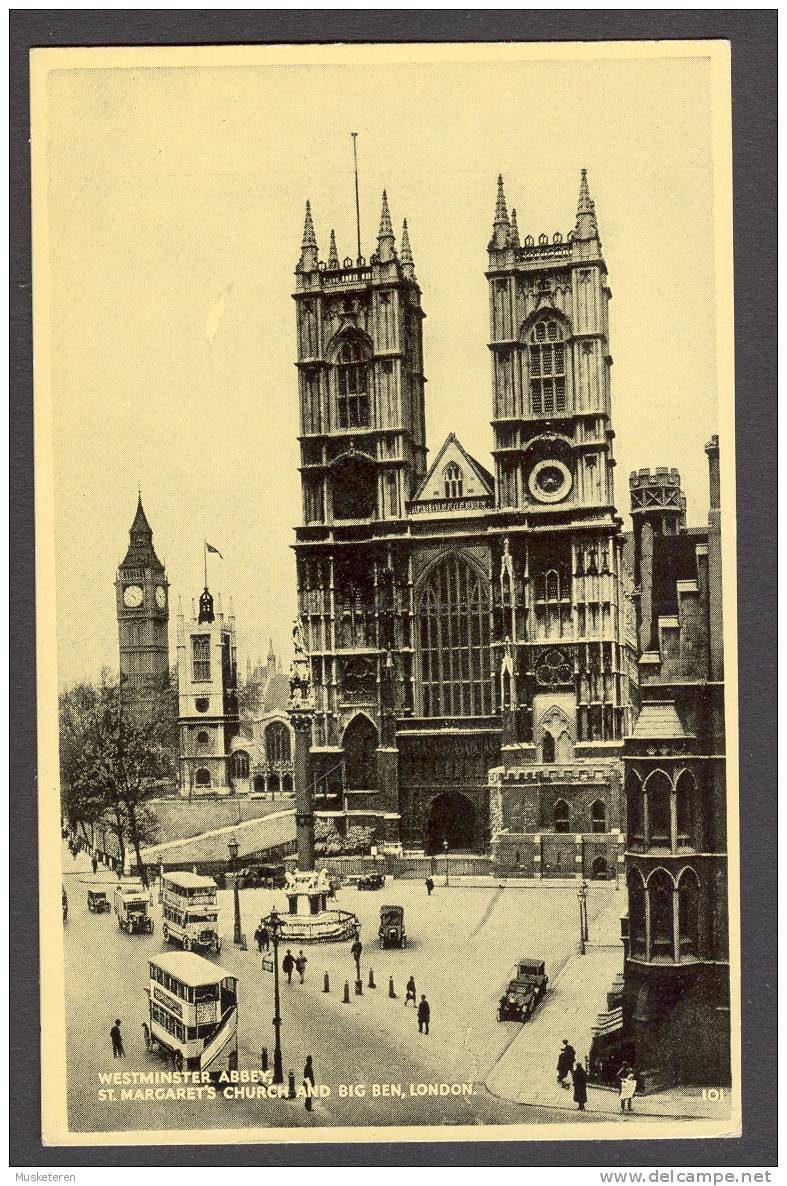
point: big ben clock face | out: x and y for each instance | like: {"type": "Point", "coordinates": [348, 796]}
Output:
{"type": "Point", "coordinates": [132, 596]}
{"type": "Point", "coordinates": [161, 596]}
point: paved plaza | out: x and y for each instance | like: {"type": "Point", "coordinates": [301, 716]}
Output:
{"type": "Point", "coordinates": [463, 943]}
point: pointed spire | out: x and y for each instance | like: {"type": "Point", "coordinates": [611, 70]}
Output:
{"type": "Point", "coordinates": [385, 237]}
{"type": "Point", "coordinates": [586, 226]}
{"type": "Point", "coordinates": [502, 226]}
{"type": "Point", "coordinates": [514, 230]}
{"type": "Point", "coordinates": [271, 652]}
{"type": "Point", "coordinates": [308, 260]}
{"type": "Point", "coordinates": [333, 254]}
{"type": "Point", "coordinates": [406, 255]}
{"type": "Point", "coordinates": [140, 526]}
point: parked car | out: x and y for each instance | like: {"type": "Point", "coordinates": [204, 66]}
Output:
{"type": "Point", "coordinates": [524, 992]}
{"type": "Point", "coordinates": [262, 877]}
{"type": "Point", "coordinates": [372, 881]}
{"type": "Point", "coordinates": [392, 932]}
{"type": "Point", "coordinates": [97, 901]}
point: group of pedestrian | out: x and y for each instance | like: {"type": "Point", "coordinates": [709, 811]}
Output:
{"type": "Point", "coordinates": [294, 963]}
{"type": "Point", "coordinates": [567, 1064]}
{"type": "Point", "coordinates": [262, 937]}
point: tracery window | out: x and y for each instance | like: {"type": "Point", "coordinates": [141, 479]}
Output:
{"type": "Point", "coordinates": [453, 480]}
{"type": "Point", "coordinates": [454, 638]}
{"type": "Point", "coordinates": [352, 386]}
{"type": "Point", "coordinates": [562, 816]}
{"type": "Point", "coordinates": [200, 653]}
{"type": "Point", "coordinates": [277, 742]}
{"type": "Point", "coordinates": [547, 363]}
{"type": "Point", "coordinates": [240, 764]}
{"type": "Point", "coordinates": [598, 816]}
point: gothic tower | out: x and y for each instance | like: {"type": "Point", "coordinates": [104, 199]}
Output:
{"type": "Point", "coordinates": [363, 455]}
{"type": "Point", "coordinates": [564, 658]}
{"type": "Point", "coordinates": [141, 594]}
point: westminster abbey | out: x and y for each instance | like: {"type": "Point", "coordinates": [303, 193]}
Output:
{"type": "Point", "coordinates": [471, 641]}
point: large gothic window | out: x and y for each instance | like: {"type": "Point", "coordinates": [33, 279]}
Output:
{"type": "Point", "coordinates": [200, 650]}
{"type": "Point", "coordinates": [547, 362]}
{"type": "Point", "coordinates": [240, 764]}
{"type": "Point", "coordinates": [277, 742]}
{"type": "Point", "coordinates": [354, 488]}
{"type": "Point", "coordinates": [360, 765]}
{"type": "Point", "coordinates": [352, 386]}
{"type": "Point", "coordinates": [453, 632]}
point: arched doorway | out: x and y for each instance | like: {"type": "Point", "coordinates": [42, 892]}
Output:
{"type": "Point", "coordinates": [452, 817]}
{"type": "Point", "coordinates": [600, 871]}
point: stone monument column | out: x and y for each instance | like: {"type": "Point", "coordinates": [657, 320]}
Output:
{"type": "Point", "coordinates": [301, 713]}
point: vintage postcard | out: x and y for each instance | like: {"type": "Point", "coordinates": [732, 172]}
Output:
{"type": "Point", "coordinates": [386, 630]}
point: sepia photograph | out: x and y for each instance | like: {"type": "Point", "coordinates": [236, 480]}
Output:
{"type": "Point", "coordinates": [386, 592]}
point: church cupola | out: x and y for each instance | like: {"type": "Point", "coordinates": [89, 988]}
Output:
{"type": "Point", "coordinates": [206, 613]}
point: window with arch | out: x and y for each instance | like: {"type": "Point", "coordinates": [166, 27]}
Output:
{"type": "Point", "coordinates": [689, 912]}
{"type": "Point", "coordinates": [352, 385]}
{"type": "Point", "coordinates": [277, 742]}
{"type": "Point", "coordinates": [684, 792]}
{"type": "Point", "coordinates": [637, 922]}
{"type": "Point", "coordinates": [547, 364]}
{"type": "Point", "coordinates": [360, 762]}
{"type": "Point", "coordinates": [635, 816]}
{"type": "Point", "coordinates": [240, 764]}
{"type": "Point", "coordinates": [598, 816]}
{"type": "Point", "coordinates": [659, 793]}
{"type": "Point", "coordinates": [454, 637]}
{"type": "Point", "coordinates": [562, 816]}
{"type": "Point", "coordinates": [202, 777]}
{"type": "Point", "coordinates": [200, 653]}
{"type": "Point", "coordinates": [453, 480]}
{"type": "Point", "coordinates": [547, 748]}
{"type": "Point", "coordinates": [660, 899]}
{"type": "Point", "coordinates": [203, 739]}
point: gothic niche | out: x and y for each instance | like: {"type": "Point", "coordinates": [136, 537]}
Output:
{"type": "Point", "coordinates": [354, 487]}
{"type": "Point", "coordinates": [354, 604]}
{"type": "Point", "coordinates": [358, 676]}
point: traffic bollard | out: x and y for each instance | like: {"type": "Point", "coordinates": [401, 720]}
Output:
{"type": "Point", "coordinates": [371, 978]}
{"type": "Point", "coordinates": [264, 1058]}
{"type": "Point", "coordinates": [326, 984]}
{"type": "Point", "coordinates": [291, 1085]}
{"type": "Point", "coordinates": [346, 997]}
{"type": "Point", "coordinates": [391, 992]}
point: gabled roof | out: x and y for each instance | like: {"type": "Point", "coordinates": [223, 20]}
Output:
{"type": "Point", "coordinates": [452, 442]}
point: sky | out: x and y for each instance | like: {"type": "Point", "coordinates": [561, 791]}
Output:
{"type": "Point", "coordinates": [174, 209]}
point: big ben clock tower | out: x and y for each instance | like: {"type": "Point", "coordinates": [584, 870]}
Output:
{"type": "Point", "coordinates": [142, 597]}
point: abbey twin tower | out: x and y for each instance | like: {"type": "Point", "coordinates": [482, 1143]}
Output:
{"type": "Point", "coordinates": [472, 645]}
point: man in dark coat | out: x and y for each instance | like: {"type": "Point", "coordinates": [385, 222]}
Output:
{"type": "Point", "coordinates": [117, 1040]}
{"type": "Point", "coordinates": [258, 937]}
{"type": "Point", "coordinates": [288, 963]}
{"type": "Point", "coordinates": [355, 952]}
{"type": "Point", "coordinates": [580, 1086]}
{"type": "Point", "coordinates": [424, 1014]}
{"type": "Point", "coordinates": [565, 1061]}
{"type": "Point", "coordinates": [429, 886]}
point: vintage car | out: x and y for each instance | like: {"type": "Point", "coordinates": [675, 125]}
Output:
{"type": "Point", "coordinates": [132, 903]}
{"type": "Point", "coordinates": [391, 932]}
{"type": "Point", "coordinates": [262, 877]}
{"type": "Point", "coordinates": [524, 992]}
{"type": "Point", "coordinates": [97, 901]}
{"type": "Point", "coordinates": [372, 881]}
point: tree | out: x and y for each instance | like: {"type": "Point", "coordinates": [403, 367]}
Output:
{"type": "Point", "coordinates": [111, 760]}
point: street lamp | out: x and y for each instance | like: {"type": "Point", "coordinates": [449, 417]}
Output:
{"type": "Point", "coordinates": [232, 845]}
{"type": "Point", "coordinates": [273, 923]}
{"type": "Point", "coordinates": [582, 897]}
{"type": "Point", "coordinates": [445, 850]}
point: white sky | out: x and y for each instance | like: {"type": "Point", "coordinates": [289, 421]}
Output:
{"type": "Point", "coordinates": [175, 217]}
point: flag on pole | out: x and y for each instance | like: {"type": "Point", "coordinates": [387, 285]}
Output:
{"type": "Point", "coordinates": [216, 551]}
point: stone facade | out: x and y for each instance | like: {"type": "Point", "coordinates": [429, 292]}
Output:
{"type": "Point", "coordinates": [469, 633]}
{"type": "Point", "coordinates": [676, 1000]}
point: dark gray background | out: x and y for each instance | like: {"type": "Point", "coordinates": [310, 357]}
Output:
{"type": "Point", "coordinates": [754, 61]}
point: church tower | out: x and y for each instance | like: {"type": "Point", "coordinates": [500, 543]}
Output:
{"type": "Point", "coordinates": [142, 606]}
{"type": "Point", "coordinates": [565, 651]}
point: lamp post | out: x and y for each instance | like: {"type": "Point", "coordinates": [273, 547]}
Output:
{"type": "Point", "coordinates": [232, 845]}
{"type": "Point", "coordinates": [582, 896]}
{"type": "Point", "coordinates": [273, 923]}
{"type": "Point", "coordinates": [445, 850]}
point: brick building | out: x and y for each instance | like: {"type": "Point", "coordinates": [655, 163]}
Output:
{"type": "Point", "coordinates": [676, 998]}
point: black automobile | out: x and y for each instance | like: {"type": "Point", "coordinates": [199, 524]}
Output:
{"type": "Point", "coordinates": [372, 881]}
{"type": "Point", "coordinates": [524, 992]}
{"type": "Point", "coordinates": [262, 877]}
{"type": "Point", "coordinates": [392, 932]}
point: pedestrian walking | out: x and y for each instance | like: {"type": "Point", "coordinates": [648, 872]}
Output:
{"type": "Point", "coordinates": [355, 952]}
{"type": "Point", "coordinates": [287, 964]}
{"type": "Point", "coordinates": [300, 965]}
{"type": "Point", "coordinates": [308, 1082]}
{"type": "Point", "coordinates": [410, 992]}
{"type": "Point", "coordinates": [94, 863]}
{"type": "Point", "coordinates": [258, 937]}
{"type": "Point", "coordinates": [627, 1086]}
{"type": "Point", "coordinates": [265, 939]}
{"type": "Point", "coordinates": [580, 1078]}
{"type": "Point", "coordinates": [117, 1040]}
{"type": "Point", "coordinates": [565, 1061]}
{"type": "Point", "coordinates": [424, 1013]}
{"type": "Point", "coordinates": [429, 886]}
